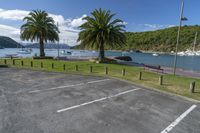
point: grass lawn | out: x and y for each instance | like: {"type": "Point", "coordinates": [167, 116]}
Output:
{"type": "Point", "coordinates": [174, 84]}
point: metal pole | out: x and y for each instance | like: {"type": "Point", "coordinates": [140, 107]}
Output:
{"type": "Point", "coordinates": [178, 37]}
{"type": "Point", "coordinates": [58, 44]}
{"type": "Point", "coordinates": [58, 50]}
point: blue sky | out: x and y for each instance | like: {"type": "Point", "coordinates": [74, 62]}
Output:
{"type": "Point", "coordinates": [140, 15]}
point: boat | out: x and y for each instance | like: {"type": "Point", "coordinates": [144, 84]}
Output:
{"type": "Point", "coordinates": [181, 53]}
{"type": "Point", "coordinates": [191, 51]}
{"type": "Point", "coordinates": [11, 56]}
{"type": "Point", "coordinates": [155, 54]}
{"type": "Point", "coordinates": [125, 52]}
{"type": "Point", "coordinates": [24, 52]}
{"type": "Point", "coordinates": [63, 52]}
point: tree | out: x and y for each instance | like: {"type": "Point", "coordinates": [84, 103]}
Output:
{"type": "Point", "coordinates": [100, 31]}
{"type": "Point", "coordinates": [39, 27]}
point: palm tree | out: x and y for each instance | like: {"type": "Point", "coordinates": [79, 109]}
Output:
{"type": "Point", "coordinates": [39, 27]}
{"type": "Point", "coordinates": [100, 31]}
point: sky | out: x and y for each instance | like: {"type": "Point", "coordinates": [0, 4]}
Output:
{"type": "Point", "coordinates": [138, 15]}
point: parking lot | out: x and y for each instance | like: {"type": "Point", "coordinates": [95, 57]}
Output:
{"type": "Point", "coordinates": [48, 102]}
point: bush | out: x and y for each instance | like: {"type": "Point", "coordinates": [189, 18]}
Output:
{"type": "Point", "coordinates": [3, 66]}
{"type": "Point", "coordinates": [105, 60]}
{"type": "Point", "coordinates": [124, 58]}
{"type": "Point", "coordinates": [45, 57]}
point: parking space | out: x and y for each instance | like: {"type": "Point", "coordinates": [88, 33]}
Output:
{"type": "Point", "coordinates": [47, 102]}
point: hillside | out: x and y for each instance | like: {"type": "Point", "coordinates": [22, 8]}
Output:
{"type": "Point", "coordinates": [49, 46]}
{"type": "Point", "coordinates": [161, 40]}
{"type": "Point", "coordinates": [6, 42]}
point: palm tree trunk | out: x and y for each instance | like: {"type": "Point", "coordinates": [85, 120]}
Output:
{"type": "Point", "coordinates": [101, 53]}
{"type": "Point", "coordinates": [42, 54]}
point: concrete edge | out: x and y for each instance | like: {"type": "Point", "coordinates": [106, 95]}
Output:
{"type": "Point", "coordinates": [157, 90]}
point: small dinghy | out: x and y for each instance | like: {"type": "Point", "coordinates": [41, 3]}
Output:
{"type": "Point", "coordinates": [155, 54]}
{"type": "Point", "coordinates": [24, 52]}
{"type": "Point", "coordinates": [66, 52]}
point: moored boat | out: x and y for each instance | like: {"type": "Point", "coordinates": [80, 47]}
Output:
{"type": "Point", "coordinates": [155, 54]}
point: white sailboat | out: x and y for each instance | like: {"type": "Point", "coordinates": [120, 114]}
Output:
{"type": "Point", "coordinates": [195, 42]}
{"type": "Point", "coordinates": [24, 51]}
{"type": "Point", "coordinates": [190, 52]}
{"type": "Point", "coordinates": [193, 53]}
{"type": "Point", "coordinates": [155, 54]}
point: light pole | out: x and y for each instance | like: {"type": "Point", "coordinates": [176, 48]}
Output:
{"type": "Point", "coordinates": [58, 43]}
{"type": "Point", "coordinates": [178, 36]}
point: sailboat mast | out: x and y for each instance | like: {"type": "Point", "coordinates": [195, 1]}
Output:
{"type": "Point", "coordinates": [195, 41]}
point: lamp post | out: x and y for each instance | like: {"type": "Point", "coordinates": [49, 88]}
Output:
{"type": "Point", "coordinates": [178, 36]}
{"type": "Point", "coordinates": [58, 43]}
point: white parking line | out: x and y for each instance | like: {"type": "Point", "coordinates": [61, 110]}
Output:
{"type": "Point", "coordinates": [97, 81]}
{"type": "Point", "coordinates": [178, 120]}
{"type": "Point", "coordinates": [97, 100]}
{"type": "Point", "coordinates": [60, 87]}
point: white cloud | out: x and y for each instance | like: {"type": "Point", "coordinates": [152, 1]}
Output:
{"type": "Point", "coordinates": [68, 27]}
{"type": "Point", "coordinates": [10, 31]}
{"type": "Point", "coordinates": [151, 27]}
{"type": "Point", "coordinates": [78, 21]}
{"type": "Point", "coordinates": [124, 23]}
{"type": "Point", "coordinates": [169, 26]}
{"type": "Point", "coordinates": [13, 14]}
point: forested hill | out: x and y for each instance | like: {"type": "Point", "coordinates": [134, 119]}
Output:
{"type": "Point", "coordinates": [161, 40]}
{"type": "Point", "coordinates": [6, 42]}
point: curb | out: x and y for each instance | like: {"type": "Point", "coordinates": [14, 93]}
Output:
{"type": "Point", "coordinates": [157, 90]}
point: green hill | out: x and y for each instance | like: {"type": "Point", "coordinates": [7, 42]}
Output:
{"type": "Point", "coordinates": [6, 42]}
{"type": "Point", "coordinates": [161, 40]}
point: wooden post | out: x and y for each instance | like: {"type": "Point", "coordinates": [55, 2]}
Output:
{"type": "Point", "coordinates": [123, 72]}
{"type": "Point", "coordinates": [31, 63]}
{"type": "Point", "coordinates": [22, 63]}
{"type": "Point", "coordinates": [106, 70]}
{"type": "Point", "coordinates": [41, 65]}
{"type": "Point", "coordinates": [64, 67]}
{"type": "Point", "coordinates": [161, 80]}
{"type": "Point", "coordinates": [5, 61]}
{"type": "Point", "coordinates": [52, 65]}
{"type": "Point", "coordinates": [76, 68]}
{"type": "Point", "coordinates": [192, 87]}
{"type": "Point", "coordinates": [14, 62]}
{"type": "Point", "coordinates": [140, 76]}
{"type": "Point", "coordinates": [91, 68]}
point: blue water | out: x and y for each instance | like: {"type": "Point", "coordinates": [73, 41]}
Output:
{"type": "Point", "coordinates": [184, 62]}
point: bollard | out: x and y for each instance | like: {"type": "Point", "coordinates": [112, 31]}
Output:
{"type": "Point", "coordinates": [91, 68]}
{"type": "Point", "coordinates": [5, 61]}
{"type": "Point", "coordinates": [31, 63]}
{"type": "Point", "coordinates": [106, 70]}
{"type": "Point", "coordinates": [192, 87]}
{"type": "Point", "coordinates": [76, 68]}
{"type": "Point", "coordinates": [52, 65]}
{"type": "Point", "coordinates": [161, 80]}
{"type": "Point", "coordinates": [41, 65]}
{"type": "Point", "coordinates": [64, 67]}
{"type": "Point", "coordinates": [22, 63]}
{"type": "Point", "coordinates": [140, 76]}
{"type": "Point", "coordinates": [14, 62]}
{"type": "Point", "coordinates": [123, 72]}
